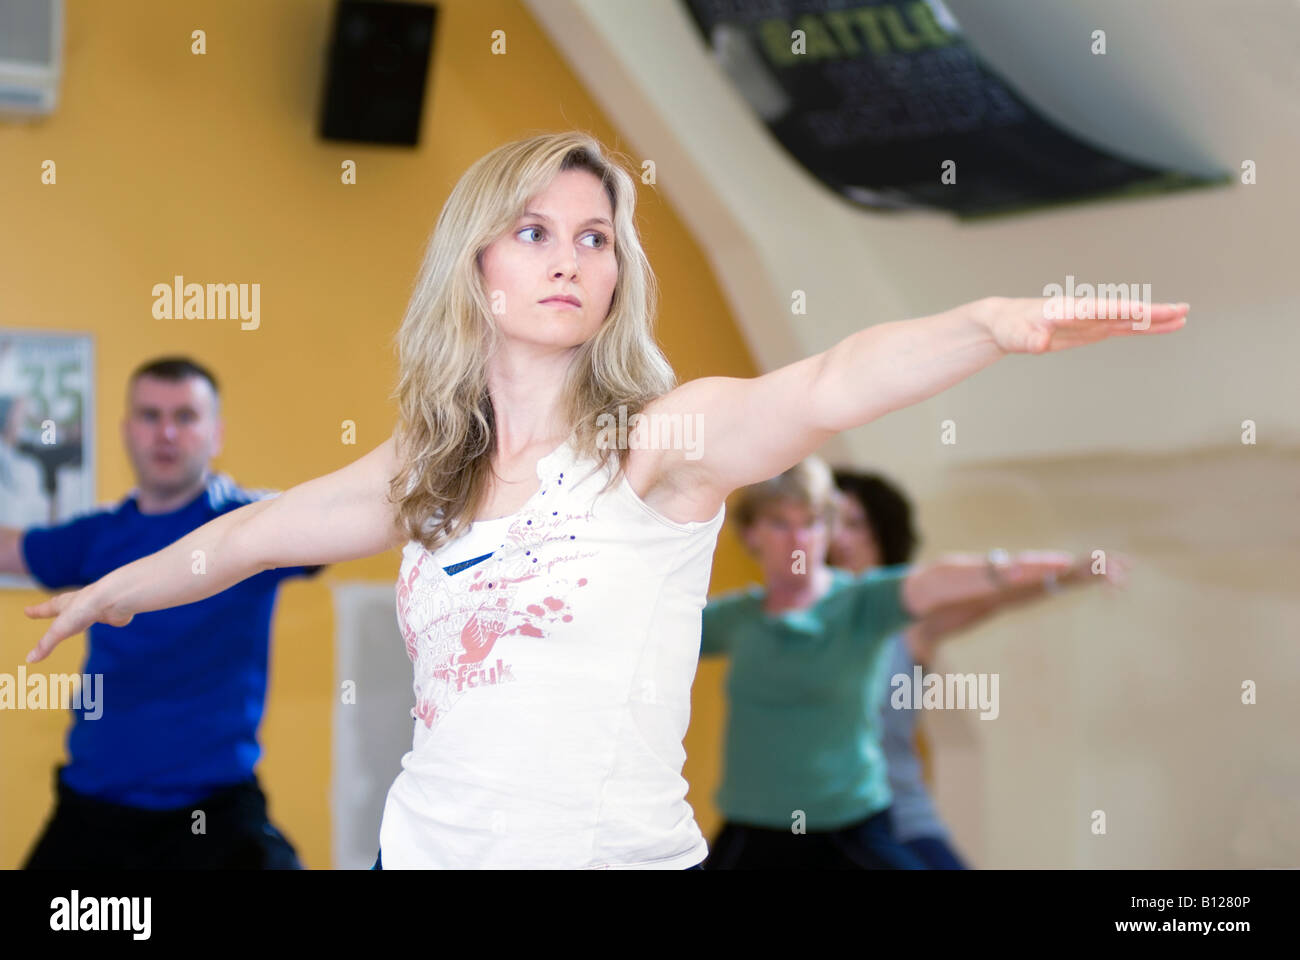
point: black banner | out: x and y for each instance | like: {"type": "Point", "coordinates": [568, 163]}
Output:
{"type": "Point", "coordinates": [887, 104]}
{"type": "Point", "coordinates": [346, 911]}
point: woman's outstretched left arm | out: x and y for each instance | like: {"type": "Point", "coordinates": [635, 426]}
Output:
{"type": "Point", "coordinates": [753, 429]}
{"type": "Point", "coordinates": [343, 515]}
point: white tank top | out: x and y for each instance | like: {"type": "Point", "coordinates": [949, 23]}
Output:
{"type": "Point", "coordinates": [552, 684]}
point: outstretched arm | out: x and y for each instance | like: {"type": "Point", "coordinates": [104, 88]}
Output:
{"type": "Point", "coordinates": [753, 429]}
{"type": "Point", "coordinates": [344, 515]}
{"type": "Point", "coordinates": [957, 578]}
{"type": "Point", "coordinates": [950, 619]}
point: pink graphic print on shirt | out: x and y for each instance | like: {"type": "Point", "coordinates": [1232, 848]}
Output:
{"type": "Point", "coordinates": [450, 624]}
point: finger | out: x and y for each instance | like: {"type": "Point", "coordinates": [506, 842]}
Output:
{"type": "Point", "coordinates": [1044, 561]}
{"type": "Point", "coordinates": [43, 610]}
{"type": "Point", "coordinates": [1105, 308]}
{"type": "Point", "coordinates": [1158, 312]}
{"type": "Point", "coordinates": [1044, 567]}
{"type": "Point", "coordinates": [1120, 328]}
{"type": "Point", "coordinates": [65, 625]}
{"type": "Point", "coordinates": [62, 628]}
{"type": "Point", "coordinates": [42, 648]}
{"type": "Point", "coordinates": [1023, 573]}
{"type": "Point", "coordinates": [1043, 556]}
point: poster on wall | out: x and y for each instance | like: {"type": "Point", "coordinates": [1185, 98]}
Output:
{"type": "Point", "coordinates": [888, 104]}
{"type": "Point", "coordinates": [47, 469]}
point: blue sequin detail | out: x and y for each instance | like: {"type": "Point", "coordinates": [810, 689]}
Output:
{"type": "Point", "coordinates": [465, 565]}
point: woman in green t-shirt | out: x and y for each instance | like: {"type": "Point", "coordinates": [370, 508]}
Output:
{"type": "Point", "coordinates": [805, 782]}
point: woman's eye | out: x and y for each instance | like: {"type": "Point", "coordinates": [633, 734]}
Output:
{"type": "Point", "coordinates": [604, 240]}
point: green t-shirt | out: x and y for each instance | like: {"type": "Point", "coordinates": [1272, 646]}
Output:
{"type": "Point", "coordinates": [805, 686]}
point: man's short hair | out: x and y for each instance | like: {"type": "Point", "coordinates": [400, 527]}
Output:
{"type": "Point", "coordinates": [175, 369]}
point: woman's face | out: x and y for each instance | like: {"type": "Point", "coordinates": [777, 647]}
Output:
{"type": "Point", "coordinates": [853, 545]}
{"type": "Point", "coordinates": [562, 245]}
{"type": "Point", "coordinates": [779, 530]}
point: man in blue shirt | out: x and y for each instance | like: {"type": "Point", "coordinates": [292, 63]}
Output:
{"type": "Point", "coordinates": [160, 771]}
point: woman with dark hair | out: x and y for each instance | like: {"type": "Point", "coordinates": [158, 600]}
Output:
{"type": "Point", "coordinates": [874, 529]}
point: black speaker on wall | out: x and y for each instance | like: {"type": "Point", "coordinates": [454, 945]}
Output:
{"type": "Point", "coordinates": [378, 62]}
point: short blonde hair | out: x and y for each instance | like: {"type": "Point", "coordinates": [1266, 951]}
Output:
{"type": "Point", "coordinates": [809, 482]}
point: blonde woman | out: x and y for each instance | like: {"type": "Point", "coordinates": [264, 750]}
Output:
{"type": "Point", "coordinates": [553, 566]}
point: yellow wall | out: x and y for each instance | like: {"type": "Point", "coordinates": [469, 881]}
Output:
{"type": "Point", "coordinates": [210, 167]}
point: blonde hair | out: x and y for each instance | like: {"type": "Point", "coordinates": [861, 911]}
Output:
{"type": "Point", "coordinates": [809, 482]}
{"type": "Point", "coordinates": [446, 426]}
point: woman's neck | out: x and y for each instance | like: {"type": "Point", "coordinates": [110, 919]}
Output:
{"type": "Point", "coordinates": [526, 388]}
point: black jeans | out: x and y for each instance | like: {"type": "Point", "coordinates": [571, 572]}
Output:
{"type": "Point", "coordinates": [235, 834]}
{"type": "Point", "coordinates": [866, 845]}
{"type": "Point", "coordinates": [936, 853]}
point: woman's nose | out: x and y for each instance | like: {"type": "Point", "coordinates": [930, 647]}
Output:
{"type": "Point", "coordinates": [566, 267]}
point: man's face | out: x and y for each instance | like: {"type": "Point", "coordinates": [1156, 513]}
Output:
{"type": "Point", "coordinates": [562, 245]}
{"type": "Point", "coordinates": [171, 432]}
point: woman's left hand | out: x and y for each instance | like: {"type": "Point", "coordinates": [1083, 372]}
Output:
{"type": "Point", "coordinates": [73, 613]}
{"type": "Point", "coordinates": [1034, 325]}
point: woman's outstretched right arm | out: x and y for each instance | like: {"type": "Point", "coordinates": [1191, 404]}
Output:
{"type": "Point", "coordinates": [344, 515]}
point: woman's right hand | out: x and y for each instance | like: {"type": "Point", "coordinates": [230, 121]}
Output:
{"type": "Point", "coordinates": [73, 613]}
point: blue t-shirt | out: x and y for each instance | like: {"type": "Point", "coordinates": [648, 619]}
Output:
{"type": "Point", "coordinates": [182, 689]}
{"type": "Point", "coordinates": [805, 687]}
